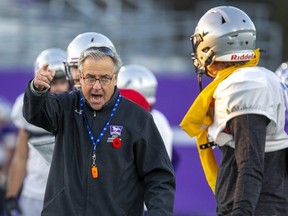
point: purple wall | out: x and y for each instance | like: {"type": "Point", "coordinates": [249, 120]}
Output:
{"type": "Point", "coordinates": [174, 96]}
{"type": "Point", "coordinates": [13, 82]}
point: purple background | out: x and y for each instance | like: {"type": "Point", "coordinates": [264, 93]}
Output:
{"type": "Point", "coordinates": [175, 94]}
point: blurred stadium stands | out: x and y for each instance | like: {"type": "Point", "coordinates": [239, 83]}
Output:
{"type": "Point", "coordinates": [147, 32]}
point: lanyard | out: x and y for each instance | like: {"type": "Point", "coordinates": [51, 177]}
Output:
{"type": "Point", "coordinates": [94, 169]}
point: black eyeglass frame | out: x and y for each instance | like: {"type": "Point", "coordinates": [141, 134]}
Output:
{"type": "Point", "coordinates": [104, 80]}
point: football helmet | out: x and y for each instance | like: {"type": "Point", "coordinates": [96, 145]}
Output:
{"type": "Point", "coordinates": [224, 34]}
{"type": "Point", "coordinates": [55, 58]}
{"type": "Point", "coordinates": [282, 72]}
{"type": "Point", "coordinates": [80, 43]}
{"type": "Point", "coordinates": [138, 78]}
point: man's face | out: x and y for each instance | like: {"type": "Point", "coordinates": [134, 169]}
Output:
{"type": "Point", "coordinates": [97, 94]}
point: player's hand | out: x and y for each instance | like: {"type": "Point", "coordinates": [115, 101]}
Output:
{"type": "Point", "coordinates": [43, 77]}
{"type": "Point", "coordinates": [11, 207]}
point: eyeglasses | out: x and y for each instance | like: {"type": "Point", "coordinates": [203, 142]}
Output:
{"type": "Point", "coordinates": [103, 80]}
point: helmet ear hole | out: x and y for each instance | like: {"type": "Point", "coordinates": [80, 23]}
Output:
{"type": "Point", "coordinates": [206, 49]}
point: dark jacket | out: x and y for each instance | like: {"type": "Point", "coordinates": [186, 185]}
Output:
{"type": "Point", "coordinates": [139, 170]}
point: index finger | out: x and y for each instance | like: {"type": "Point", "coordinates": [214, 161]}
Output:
{"type": "Point", "coordinates": [45, 66]}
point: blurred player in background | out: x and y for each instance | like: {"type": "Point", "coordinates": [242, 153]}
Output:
{"type": "Point", "coordinates": [144, 81]}
{"type": "Point", "coordinates": [8, 135]}
{"type": "Point", "coordinates": [282, 72]}
{"type": "Point", "coordinates": [136, 97]}
{"type": "Point", "coordinates": [29, 170]}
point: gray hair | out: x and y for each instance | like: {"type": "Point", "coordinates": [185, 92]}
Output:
{"type": "Point", "coordinates": [99, 53]}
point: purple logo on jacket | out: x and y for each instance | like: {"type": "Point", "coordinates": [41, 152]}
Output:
{"type": "Point", "coordinates": [116, 130]}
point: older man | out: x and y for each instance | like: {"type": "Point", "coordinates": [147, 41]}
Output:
{"type": "Point", "coordinates": [109, 157]}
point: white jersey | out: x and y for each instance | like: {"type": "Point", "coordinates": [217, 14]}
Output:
{"type": "Point", "coordinates": [37, 167]}
{"type": "Point", "coordinates": [164, 129]}
{"type": "Point", "coordinates": [251, 90]}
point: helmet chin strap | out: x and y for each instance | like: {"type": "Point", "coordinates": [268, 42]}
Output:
{"type": "Point", "coordinates": [199, 76]}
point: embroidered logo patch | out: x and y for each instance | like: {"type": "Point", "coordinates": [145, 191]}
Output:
{"type": "Point", "coordinates": [115, 130]}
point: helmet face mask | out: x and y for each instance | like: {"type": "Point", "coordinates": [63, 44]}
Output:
{"type": "Point", "coordinates": [80, 43]}
{"type": "Point", "coordinates": [201, 67]}
{"type": "Point", "coordinates": [224, 34]}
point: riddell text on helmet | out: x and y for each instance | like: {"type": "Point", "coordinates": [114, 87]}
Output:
{"type": "Point", "coordinates": [243, 57]}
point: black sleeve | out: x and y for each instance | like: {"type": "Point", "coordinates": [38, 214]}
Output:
{"type": "Point", "coordinates": [249, 133]}
{"type": "Point", "coordinates": [41, 111]}
{"type": "Point", "coordinates": [156, 171]}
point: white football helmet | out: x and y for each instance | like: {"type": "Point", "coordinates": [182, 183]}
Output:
{"type": "Point", "coordinates": [55, 58]}
{"type": "Point", "coordinates": [282, 72]}
{"type": "Point", "coordinates": [224, 34]}
{"type": "Point", "coordinates": [138, 78]}
{"type": "Point", "coordinates": [80, 43]}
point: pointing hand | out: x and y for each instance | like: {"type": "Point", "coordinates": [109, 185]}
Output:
{"type": "Point", "coordinates": [43, 77]}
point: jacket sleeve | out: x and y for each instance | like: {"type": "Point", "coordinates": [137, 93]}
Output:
{"type": "Point", "coordinates": [41, 110]}
{"type": "Point", "coordinates": [156, 171]}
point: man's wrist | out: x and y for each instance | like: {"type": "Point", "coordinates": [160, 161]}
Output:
{"type": "Point", "coordinates": [35, 91]}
